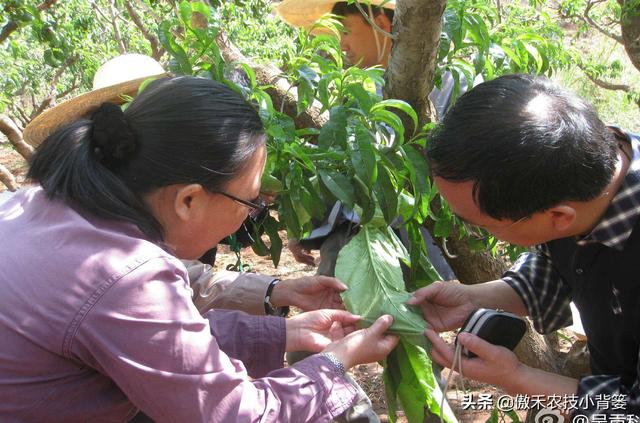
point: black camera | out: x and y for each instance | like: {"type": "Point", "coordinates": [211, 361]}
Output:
{"type": "Point", "coordinates": [494, 326]}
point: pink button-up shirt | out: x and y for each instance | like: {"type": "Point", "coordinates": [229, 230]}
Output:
{"type": "Point", "coordinates": [97, 323]}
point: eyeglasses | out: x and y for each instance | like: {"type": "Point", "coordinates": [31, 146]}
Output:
{"type": "Point", "coordinates": [257, 206]}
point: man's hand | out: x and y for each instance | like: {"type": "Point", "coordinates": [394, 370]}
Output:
{"type": "Point", "coordinates": [445, 305]}
{"type": "Point", "coordinates": [494, 364]}
{"type": "Point", "coordinates": [314, 330]}
{"type": "Point", "coordinates": [302, 255]}
{"type": "Point", "coordinates": [309, 293]}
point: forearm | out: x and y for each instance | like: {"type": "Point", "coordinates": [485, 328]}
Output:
{"type": "Point", "coordinates": [530, 381]}
{"type": "Point", "coordinates": [258, 341]}
{"type": "Point", "coordinates": [497, 295]}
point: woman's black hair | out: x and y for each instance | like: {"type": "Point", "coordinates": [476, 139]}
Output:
{"type": "Point", "coordinates": [342, 8]}
{"type": "Point", "coordinates": [526, 144]}
{"type": "Point", "coordinates": [178, 130]}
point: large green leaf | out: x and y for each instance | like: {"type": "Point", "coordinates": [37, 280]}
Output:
{"type": "Point", "coordinates": [370, 266]}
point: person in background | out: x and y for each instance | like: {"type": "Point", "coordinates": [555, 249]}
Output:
{"type": "Point", "coordinates": [534, 165]}
{"type": "Point", "coordinates": [96, 314]}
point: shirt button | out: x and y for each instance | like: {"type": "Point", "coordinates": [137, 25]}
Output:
{"type": "Point", "coordinates": [579, 271]}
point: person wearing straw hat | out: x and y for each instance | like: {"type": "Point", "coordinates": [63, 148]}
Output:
{"type": "Point", "coordinates": [366, 40]}
{"type": "Point", "coordinates": [120, 78]}
{"type": "Point", "coordinates": [96, 317]}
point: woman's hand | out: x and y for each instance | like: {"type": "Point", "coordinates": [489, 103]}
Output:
{"type": "Point", "coordinates": [309, 293]}
{"type": "Point", "coordinates": [314, 330]}
{"type": "Point", "coordinates": [302, 255]}
{"type": "Point", "coordinates": [365, 345]}
{"type": "Point", "coordinates": [445, 305]}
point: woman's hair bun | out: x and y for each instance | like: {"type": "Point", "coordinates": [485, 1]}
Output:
{"type": "Point", "coordinates": [113, 141]}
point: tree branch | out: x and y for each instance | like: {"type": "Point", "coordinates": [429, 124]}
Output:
{"type": "Point", "coordinates": [9, 128]}
{"type": "Point", "coordinates": [111, 21]}
{"type": "Point", "coordinates": [156, 50]}
{"type": "Point", "coordinates": [116, 29]}
{"type": "Point", "coordinates": [52, 91]}
{"type": "Point", "coordinates": [11, 26]}
{"type": "Point", "coordinates": [587, 18]}
{"type": "Point", "coordinates": [7, 178]}
{"type": "Point", "coordinates": [283, 94]}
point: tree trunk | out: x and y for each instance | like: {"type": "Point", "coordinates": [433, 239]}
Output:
{"type": "Point", "coordinates": [630, 25]}
{"type": "Point", "coordinates": [409, 77]}
{"type": "Point", "coordinates": [7, 178]}
{"type": "Point", "coordinates": [14, 134]}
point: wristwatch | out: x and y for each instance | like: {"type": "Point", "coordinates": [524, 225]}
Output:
{"type": "Point", "coordinates": [269, 308]}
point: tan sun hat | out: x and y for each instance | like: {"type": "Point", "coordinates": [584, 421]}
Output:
{"type": "Point", "coordinates": [304, 13]}
{"type": "Point", "coordinates": [119, 76]}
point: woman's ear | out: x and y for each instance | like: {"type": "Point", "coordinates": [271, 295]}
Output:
{"type": "Point", "coordinates": [562, 218]}
{"type": "Point", "coordinates": [189, 201]}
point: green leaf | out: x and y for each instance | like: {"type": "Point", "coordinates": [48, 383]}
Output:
{"type": "Point", "coordinates": [290, 219]}
{"type": "Point", "coordinates": [334, 131]}
{"type": "Point", "coordinates": [185, 12]}
{"type": "Point", "coordinates": [400, 105]}
{"type": "Point", "coordinates": [365, 200]}
{"type": "Point", "coordinates": [418, 169]}
{"type": "Point", "coordinates": [174, 49]}
{"type": "Point", "coordinates": [201, 7]}
{"type": "Point", "coordinates": [271, 229]}
{"type": "Point", "coordinates": [369, 265]}
{"type": "Point", "coordinates": [340, 186]}
{"type": "Point", "coordinates": [363, 156]}
{"type": "Point", "coordinates": [386, 193]}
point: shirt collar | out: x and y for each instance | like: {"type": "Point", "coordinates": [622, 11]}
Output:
{"type": "Point", "coordinates": [620, 218]}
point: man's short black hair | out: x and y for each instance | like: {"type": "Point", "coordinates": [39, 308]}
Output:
{"type": "Point", "coordinates": [527, 144]}
{"type": "Point", "coordinates": [343, 8]}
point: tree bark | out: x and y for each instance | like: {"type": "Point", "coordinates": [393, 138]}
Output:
{"type": "Point", "coordinates": [283, 95]}
{"type": "Point", "coordinates": [470, 267]}
{"type": "Point", "coordinates": [7, 178]}
{"type": "Point", "coordinates": [9, 128]}
{"type": "Point", "coordinates": [416, 29]}
{"type": "Point", "coordinates": [630, 25]}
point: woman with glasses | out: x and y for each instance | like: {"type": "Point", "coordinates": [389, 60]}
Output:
{"type": "Point", "coordinates": [96, 315]}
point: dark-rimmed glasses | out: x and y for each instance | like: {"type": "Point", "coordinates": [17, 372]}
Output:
{"type": "Point", "coordinates": [257, 206]}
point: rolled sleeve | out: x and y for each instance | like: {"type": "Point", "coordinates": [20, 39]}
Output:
{"type": "Point", "coordinates": [227, 290]}
{"type": "Point", "coordinates": [142, 331]}
{"type": "Point", "coordinates": [544, 293]}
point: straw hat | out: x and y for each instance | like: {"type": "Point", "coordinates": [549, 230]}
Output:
{"type": "Point", "coordinates": [119, 76]}
{"type": "Point", "coordinates": [304, 13]}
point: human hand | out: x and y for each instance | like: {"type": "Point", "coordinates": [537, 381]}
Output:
{"type": "Point", "coordinates": [309, 293]}
{"type": "Point", "coordinates": [365, 345]}
{"type": "Point", "coordinates": [314, 330]}
{"type": "Point", "coordinates": [302, 255]}
{"type": "Point", "coordinates": [494, 364]}
{"type": "Point", "coordinates": [445, 305]}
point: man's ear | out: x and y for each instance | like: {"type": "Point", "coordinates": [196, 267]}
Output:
{"type": "Point", "coordinates": [189, 200]}
{"type": "Point", "coordinates": [562, 217]}
{"type": "Point", "coordinates": [383, 22]}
